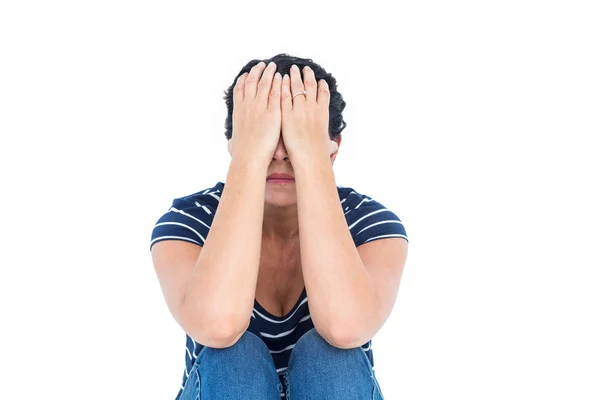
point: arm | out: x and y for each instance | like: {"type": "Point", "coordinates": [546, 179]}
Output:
{"type": "Point", "coordinates": [351, 288]}
{"type": "Point", "coordinates": [344, 304]}
{"type": "Point", "coordinates": [342, 298]}
{"type": "Point", "coordinates": [222, 284]}
{"type": "Point", "coordinates": [223, 281]}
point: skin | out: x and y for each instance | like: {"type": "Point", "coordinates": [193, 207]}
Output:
{"type": "Point", "coordinates": [298, 116]}
{"type": "Point", "coordinates": [351, 290]}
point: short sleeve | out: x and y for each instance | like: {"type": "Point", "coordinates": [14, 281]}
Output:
{"type": "Point", "coordinates": [370, 220]}
{"type": "Point", "coordinates": [188, 219]}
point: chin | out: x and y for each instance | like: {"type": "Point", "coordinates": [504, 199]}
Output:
{"type": "Point", "coordinates": [281, 198]}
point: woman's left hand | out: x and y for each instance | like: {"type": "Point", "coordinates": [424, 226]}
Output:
{"type": "Point", "coordinates": [305, 119]}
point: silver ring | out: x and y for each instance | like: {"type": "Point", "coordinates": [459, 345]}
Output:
{"type": "Point", "coordinates": [302, 92]}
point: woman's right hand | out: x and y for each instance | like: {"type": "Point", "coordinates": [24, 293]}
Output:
{"type": "Point", "coordinates": [256, 113]}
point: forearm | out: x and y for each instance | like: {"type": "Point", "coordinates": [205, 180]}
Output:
{"type": "Point", "coordinates": [341, 296]}
{"type": "Point", "coordinates": [223, 281]}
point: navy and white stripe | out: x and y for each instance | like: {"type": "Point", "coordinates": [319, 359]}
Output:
{"type": "Point", "coordinates": [190, 218]}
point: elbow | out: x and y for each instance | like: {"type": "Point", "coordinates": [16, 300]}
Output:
{"type": "Point", "coordinates": [218, 335]}
{"type": "Point", "coordinates": [353, 332]}
{"type": "Point", "coordinates": [215, 332]}
{"type": "Point", "coordinates": [341, 341]}
{"type": "Point", "coordinates": [349, 335]}
{"type": "Point", "coordinates": [222, 341]}
{"type": "Point", "coordinates": [342, 338]}
{"type": "Point", "coordinates": [212, 329]}
{"type": "Point", "coordinates": [334, 332]}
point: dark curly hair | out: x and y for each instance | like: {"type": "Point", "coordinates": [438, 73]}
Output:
{"type": "Point", "coordinates": [284, 63]}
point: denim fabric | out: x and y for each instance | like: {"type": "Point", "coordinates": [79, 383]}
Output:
{"type": "Point", "coordinates": [316, 371]}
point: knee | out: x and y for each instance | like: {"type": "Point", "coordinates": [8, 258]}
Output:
{"type": "Point", "coordinates": [313, 358]}
{"type": "Point", "coordinates": [311, 341]}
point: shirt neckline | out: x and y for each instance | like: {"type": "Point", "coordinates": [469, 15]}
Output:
{"type": "Point", "coordinates": [278, 318]}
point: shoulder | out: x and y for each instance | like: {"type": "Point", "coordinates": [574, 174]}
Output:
{"type": "Point", "coordinates": [207, 199]}
{"type": "Point", "coordinates": [355, 203]}
{"type": "Point", "coordinates": [369, 219]}
{"type": "Point", "coordinates": [189, 217]}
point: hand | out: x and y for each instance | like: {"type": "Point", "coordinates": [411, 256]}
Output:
{"type": "Point", "coordinates": [256, 113]}
{"type": "Point", "coordinates": [305, 119]}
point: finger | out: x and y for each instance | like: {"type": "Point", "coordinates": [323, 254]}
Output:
{"type": "Point", "coordinates": [264, 85]}
{"type": "Point", "coordinates": [286, 96]}
{"type": "Point", "coordinates": [323, 93]}
{"type": "Point", "coordinates": [296, 85]}
{"type": "Point", "coordinates": [252, 80]}
{"type": "Point", "coordinates": [238, 89]}
{"type": "Point", "coordinates": [275, 94]}
{"type": "Point", "coordinates": [310, 84]}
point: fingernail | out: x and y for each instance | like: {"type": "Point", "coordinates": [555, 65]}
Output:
{"type": "Point", "coordinates": [307, 67]}
{"type": "Point", "coordinates": [294, 66]}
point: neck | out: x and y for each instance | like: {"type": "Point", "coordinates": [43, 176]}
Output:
{"type": "Point", "coordinates": [280, 222]}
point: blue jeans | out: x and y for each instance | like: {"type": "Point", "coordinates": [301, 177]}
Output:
{"type": "Point", "coordinates": [316, 371]}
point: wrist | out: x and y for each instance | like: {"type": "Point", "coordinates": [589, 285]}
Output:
{"type": "Point", "coordinates": [250, 160]}
{"type": "Point", "coordinates": [309, 156]}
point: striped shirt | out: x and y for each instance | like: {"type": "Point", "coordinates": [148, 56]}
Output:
{"type": "Point", "coordinates": [189, 219]}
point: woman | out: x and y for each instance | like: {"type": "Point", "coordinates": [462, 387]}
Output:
{"type": "Point", "coordinates": [281, 300]}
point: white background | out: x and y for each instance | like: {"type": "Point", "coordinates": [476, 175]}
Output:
{"type": "Point", "coordinates": [476, 122]}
